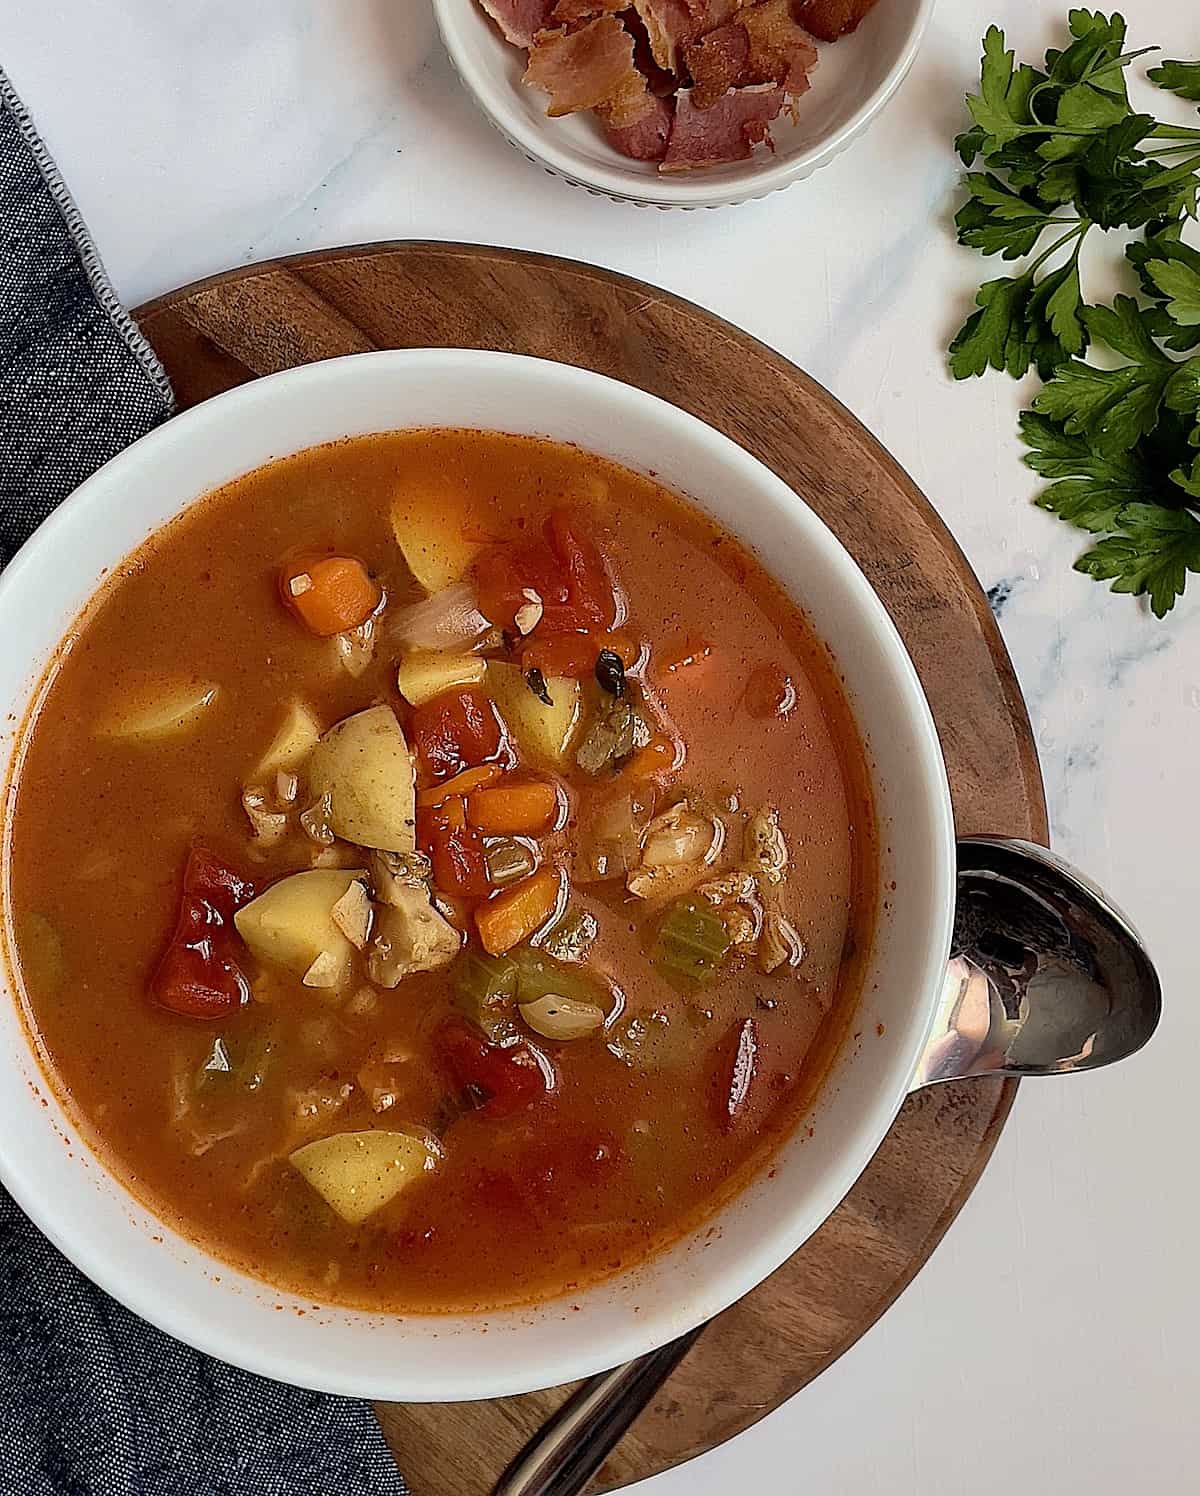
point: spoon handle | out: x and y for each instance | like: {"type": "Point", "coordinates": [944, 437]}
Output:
{"type": "Point", "coordinates": [569, 1448]}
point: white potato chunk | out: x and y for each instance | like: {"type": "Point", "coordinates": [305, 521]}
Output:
{"type": "Point", "coordinates": [543, 733]}
{"type": "Point", "coordinates": [357, 1173]}
{"type": "Point", "coordinates": [160, 709]}
{"type": "Point", "coordinates": [298, 735]}
{"type": "Point", "coordinates": [363, 765]}
{"type": "Point", "coordinates": [292, 925]}
{"type": "Point", "coordinates": [424, 675]}
{"type": "Point", "coordinates": [431, 530]}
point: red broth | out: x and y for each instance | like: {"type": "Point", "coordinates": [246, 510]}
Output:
{"type": "Point", "coordinates": [622, 1061]}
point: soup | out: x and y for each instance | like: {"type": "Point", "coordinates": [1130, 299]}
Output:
{"type": "Point", "coordinates": [440, 869]}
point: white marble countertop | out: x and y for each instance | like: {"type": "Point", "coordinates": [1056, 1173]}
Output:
{"type": "Point", "coordinates": [1049, 1345]}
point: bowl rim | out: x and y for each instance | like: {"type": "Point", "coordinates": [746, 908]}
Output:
{"type": "Point", "coordinates": [756, 178]}
{"type": "Point", "coordinates": [757, 1259]}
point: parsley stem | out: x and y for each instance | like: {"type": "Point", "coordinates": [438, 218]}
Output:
{"type": "Point", "coordinates": [1078, 232]}
{"type": "Point", "coordinates": [1173, 174]}
{"type": "Point", "coordinates": [1174, 132]}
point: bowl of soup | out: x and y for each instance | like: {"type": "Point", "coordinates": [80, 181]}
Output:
{"type": "Point", "coordinates": [477, 874]}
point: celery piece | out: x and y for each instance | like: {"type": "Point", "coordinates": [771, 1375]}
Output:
{"type": "Point", "coordinates": [486, 989]}
{"type": "Point", "coordinates": [691, 945]}
{"type": "Point", "coordinates": [541, 976]}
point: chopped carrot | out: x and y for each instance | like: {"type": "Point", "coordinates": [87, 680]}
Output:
{"type": "Point", "coordinates": [461, 784]}
{"type": "Point", "coordinates": [330, 595]}
{"type": "Point", "coordinates": [661, 755]}
{"type": "Point", "coordinates": [510, 917]}
{"type": "Point", "coordinates": [514, 809]}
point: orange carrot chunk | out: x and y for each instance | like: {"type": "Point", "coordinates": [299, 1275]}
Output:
{"type": "Point", "coordinates": [514, 809]}
{"type": "Point", "coordinates": [510, 917]}
{"type": "Point", "coordinates": [461, 784]}
{"type": "Point", "coordinates": [657, 758]}
{"type": "Point", "coordinates": [330, 595]}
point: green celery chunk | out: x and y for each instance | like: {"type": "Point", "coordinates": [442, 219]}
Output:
{"type": "Point", "coordinates": [486, 988]}
{"type": "Point", "coordinates": [542, 976]}
{"type": "Point", "coordinates": [692, 943]}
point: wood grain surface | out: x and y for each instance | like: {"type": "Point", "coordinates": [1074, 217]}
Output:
{"type": "Point", "coordinates": [230, 329]}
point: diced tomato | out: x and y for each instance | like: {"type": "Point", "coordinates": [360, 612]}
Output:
{"type": "Point", "coordinates": [571, 655]}
{"type": "Point", "coordinates": [503, 574]}
{"type": "Point", "coordinates": [574, 655]}
{"type": "Point", "coordinates": [509, 1080]}
{"type": "Point", "coordinates": [199, 974]}
{"type": "Point", "coordinates": [458, 730]}
{"type": "Point", "coordinates": [589, 590]}
{"type": "Point", "coordinates": [455, 848]}
{"type": "Point", "coordinates": [565, 569]}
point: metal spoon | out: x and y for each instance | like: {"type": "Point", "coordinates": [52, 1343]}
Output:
{"type": "Point", "coordinates": [1046, 976]}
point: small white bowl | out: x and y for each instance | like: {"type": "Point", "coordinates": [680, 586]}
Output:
{"type": "Point", "coordinates": [852, 82]}
{"type": "Point", "coordinates": [66, 1189]}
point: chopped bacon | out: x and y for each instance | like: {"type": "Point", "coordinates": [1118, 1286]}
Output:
{"type": "Point", "coordinates": [763, 44]}
{"type": "Point", "coordinates": [727, 131]}
{"type": "Point", "coordinates": [669, 25]}
{"type": "Point", "coordinates": [646, 139]}
{"type": "Point", "coordinates": [519, 20]}
{"type": "Point", "coordinates": [588, 69]}
{"type": "Point", "coordinates": [830, 19]}
{"type": "Point", "coordinates": [718, 62]}
{"type": "Point", "coordinates": [567, 12]}
{"type": "Point", "coordinates": [781, 51]}
{"type": "Point", "coordinates": [707, 15]}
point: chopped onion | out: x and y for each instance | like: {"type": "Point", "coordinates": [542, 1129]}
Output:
{"type": "Point", "coordinates": [270, 826]}
{"type": "Point", "coordinates": [557, 1017]}
{"type": "Point", "coordinates": [315, 821]}
{"type": "Point", "coordinates": [447, 620]}
{"type": "Point", "coordinates": [356, 648]}
{"type": "Point", "coordinates": [352, 915]}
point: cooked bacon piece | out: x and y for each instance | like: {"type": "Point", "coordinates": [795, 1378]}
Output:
{"type": "Point", "coordinates": [669, 25]}
{"type": "Point", "coordinates": [658, 80]}
{"type": "Point", "coordinates": [591, 68]}
{"type": "Point", "coordinates": [718, 62]}
{"type": "Point", "coordinates": [567, 12]}
{"type": "Point", "coordinates": [763, 44]}
{"type": "Point", "coordinates": [727, 131]}
{"type": "Point", "coordinates": [707, 15]}
{"type": "Point", "coordinates": [519, 20]}
{"type": "Point", "coordinates": [646, 139]}
{"type": "Point", "coordinates": [781, 51]}
{"type": "Point", "coordinates": [830, 19]}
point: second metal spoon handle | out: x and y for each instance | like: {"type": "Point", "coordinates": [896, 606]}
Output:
{"type": "Point", "coordinates": [570, 1447]}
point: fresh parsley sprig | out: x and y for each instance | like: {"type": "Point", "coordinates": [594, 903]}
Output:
{"type": "Point", "coordinates": [1065, 154]}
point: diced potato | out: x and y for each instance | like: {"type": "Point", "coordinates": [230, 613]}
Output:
{"type": "Point", "coordinates": [544, 733]}
{"type": "Point", "coordinates": [292, 925]}
{"type": "Point", "coordinates": [423, 676]}
{"type": "Point", "coordinates": [357, 1173]}
{"type": "Point", "coordinates": [291, 745]}
{"type": "Point", "coordinates": [364, 766]}
{"type": "Point", "coordinates": [161, 709]}
{"type": "Point", "coordinates": [431, 531]}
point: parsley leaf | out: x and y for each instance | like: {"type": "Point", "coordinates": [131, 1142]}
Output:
{"type": "Point", "coordinates": [1058, 153]}
{"type": "Point", "coordinates": [1152, 555]}
{"type": "Point", "coordinates": [1181, 283]}
{"type": "Point", "coordinates": [1182, 78]}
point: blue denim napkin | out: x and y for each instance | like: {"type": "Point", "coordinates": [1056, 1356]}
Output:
{"type": "Point", "coordinates": [94, 1402]}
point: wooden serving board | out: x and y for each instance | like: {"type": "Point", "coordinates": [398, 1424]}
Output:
{"type": "Point", "coordinates": [230, 329]}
